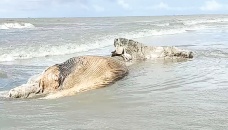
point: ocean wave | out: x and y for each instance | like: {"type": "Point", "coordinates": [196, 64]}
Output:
{"type": "Point", "coordinates": [204, 21]}
{"type": "Point", "coordinates": [159, 32]}
{"type": "Point", "coordinates": [51, 50]}
{"type": "Point", "coordinates": [213, 53]}
{"type": "Point", "coordinates": [4, 94]}
{"type": "Point", "coordinates": [16, 25]}
{"type": "Point", "coordinates": [195, 22]}
{"type": "Point", "coordinates": [163, 24]}
{"type": "Point", "coordinates": [71, 48]}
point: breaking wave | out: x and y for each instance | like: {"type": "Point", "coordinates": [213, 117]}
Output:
{"type": "Point", "coordinates": [49, 50]}
{"type": "Point", "coordinates": [70, 48]}
{"type": "Point", "coordinates": [213, 53]}
{"type": "Point", "coordinates": [3, 94]}
{"type": "Point", "coordinates": [205, 21]}
{"type": "Point", "coordinates": [91, 40]}
{"type": "Point", "coordinates": [16, 25]}
{"type": "Point", "coordinates": [192, 22]}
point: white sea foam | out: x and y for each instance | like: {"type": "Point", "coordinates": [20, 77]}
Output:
{"type": "Point", "coordinates": [70, 48]}
{"type": "Point", "coordinates": [163, 24]}
{"type": "Point", "coordinates": [205, 21]}
{"type": "Point", "coordinates": [16, 25]}
{"type": "Point", "coordinates": [3, 94]}
{"type": "Point", "coordinates": [159, 32]}
{"type": "Point", "coordinates": [97, 41]}
{"type": "Point", "coordinates": [47, 50]}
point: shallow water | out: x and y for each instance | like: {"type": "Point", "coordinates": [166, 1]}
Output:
{"type": "Point", "coordinates": [174, 95]}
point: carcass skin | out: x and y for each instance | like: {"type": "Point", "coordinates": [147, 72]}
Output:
{"type": "Point", "coordinates": [133, 50]}
{"type": "Point", "coordinates": [76, 75]}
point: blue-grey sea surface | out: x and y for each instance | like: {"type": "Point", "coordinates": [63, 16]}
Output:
{"type": "Point", "coordinates": [159, 95]}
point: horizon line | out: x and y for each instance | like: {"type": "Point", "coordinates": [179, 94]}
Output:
{"type": "Point", "coordinates": [168, 15]}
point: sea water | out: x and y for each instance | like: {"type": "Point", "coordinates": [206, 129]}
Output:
{"type": "Point", "coordinates": [189, 94]}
